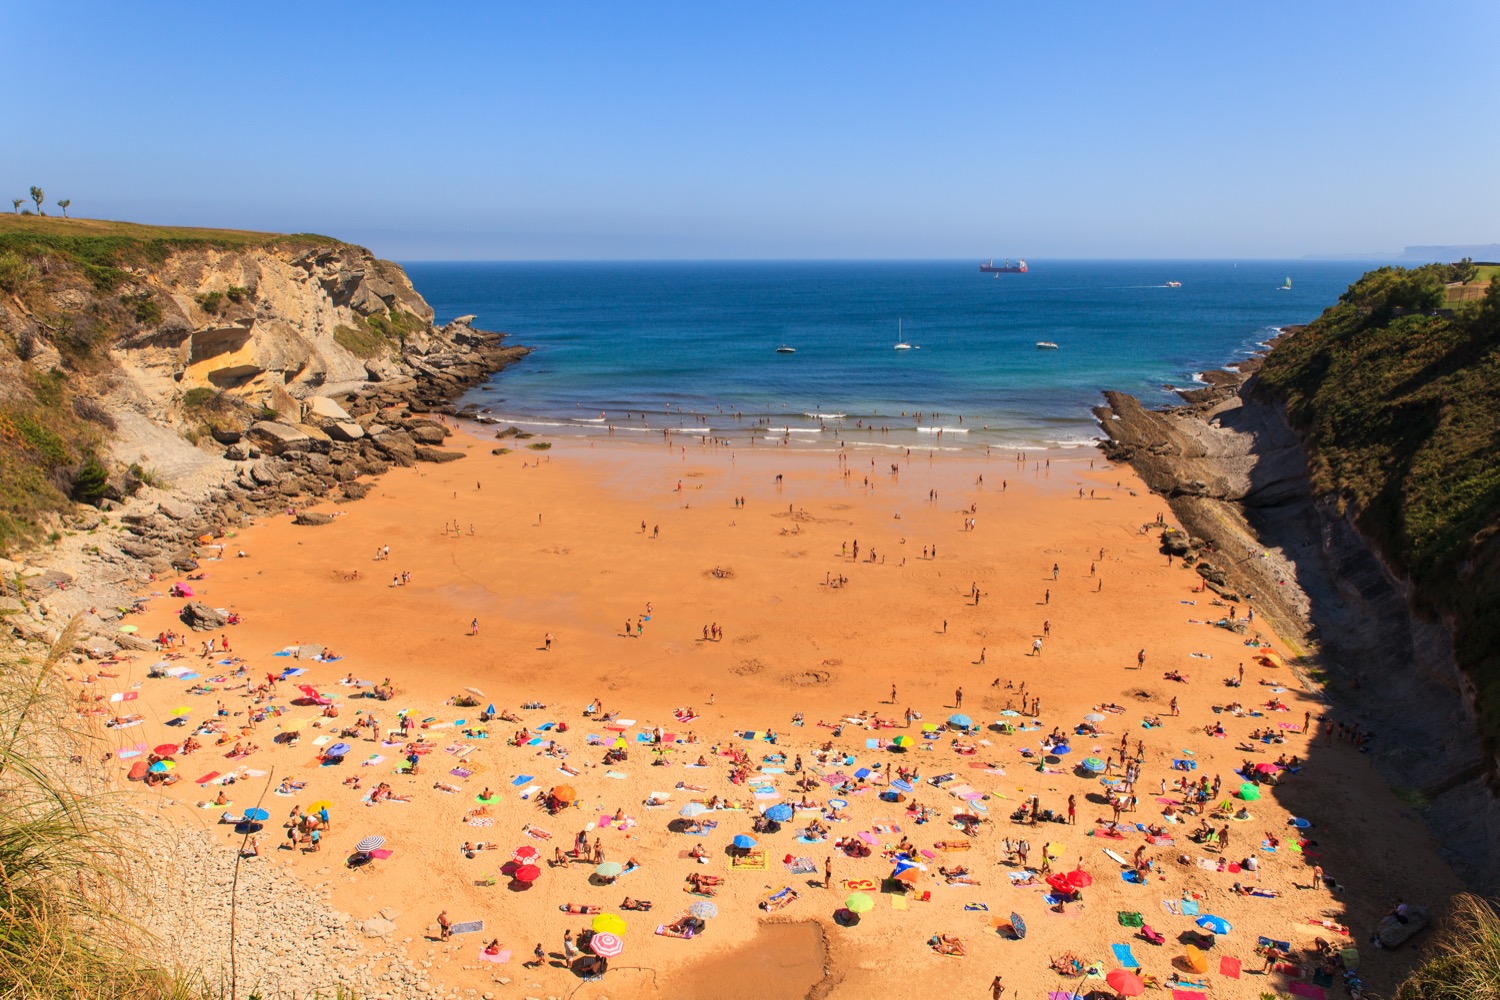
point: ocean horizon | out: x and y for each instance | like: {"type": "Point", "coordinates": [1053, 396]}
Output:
{"type": "Point", "coordinates": [691, 347]}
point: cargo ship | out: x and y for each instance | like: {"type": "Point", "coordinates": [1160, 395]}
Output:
{"type": "Point", "coordinates": [990, 267]}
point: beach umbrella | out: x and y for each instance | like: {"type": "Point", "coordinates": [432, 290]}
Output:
{"type": "Point", "coordinates": [960, 720]}
{"type": "Point", "coordinates": [160, 767]}
{"type": "Point", "coordinates": [1249, 792]}
{"type": "Point", "coordinates": [908, 875]}
{"type": "Point", "coordinates": [319, 805]}
{"type": "Point", "coordinates": [692, 809]}
{"type": "Point", "coordinates": [606, 945]}
{"type": "Point", "coordinates": [1059, 881]}
{"type": "Point", "coordinates": [704, 910]}
{"type": "Point", "coordinates": [743, 841]}
{"type": "Point", "coordinates": [609, 869]}
{"type": "Point", "coordinates": [903, 742]}
{"type": "Point", "coordinates": [1093, 717]}
{"type": "Point", "coordinates": [859, 903]}
{"type": "Point", "coordinates": [780, 812]}
{"type": "Point", "coordinates": [370, 844]}
{"type": "Point", "coordinates": [620, 743]}
{"type": "Point", "coordinates": [929, 727]}
{"type": "Point", "coordinates": [608, 923]}
{"type": "Point", "coordinates": [257, 815]}
{"type": "Point", "coordinates": [181, 710]}
{"type": "Point", "coordinates": [1018, 925]}
{"type": "Point", "coordinates": [1196, 960]}
{"type": "Point", "coordinates": [491, 709]}
{"type": "Point", "coordinates": [1092, 764]}
{"type": "Point", "coordinates": [527, 873]}
{"type": "Point", "coordinates": [128, 629]}
{"type": "Point", "coordinates": [1125, 983]}
{"type": "Point", "coordinates": [1062, 748]}
{"type": "Point", "coordinates": [337, 750]}
{"type": "Point", "coordinates": [1213, 924]}
{"type": "Point", "coordinates": [1271, 659]}
{"type": "Point", "coordinates": [1011, 713]}
{"type": "Point", "coordinates": [525, 852]}
{"type": "Point", "coordinates": [475, 691]}
{"type": "Point", "coordinates": [1079, 879]}
{"type": "Point", "coordinates": [166, 750]}
{"type": "Point", "coordinates": [1266, 768]}
{"type": "Point", "coordinates": [309, 690]}
{"type": "Point", "coordinates": [564, 793]}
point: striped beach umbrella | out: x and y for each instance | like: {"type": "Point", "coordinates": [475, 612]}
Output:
{"type": "Point", "coordinates": [606, 945]}
{"type": "Point", "coordinates": [370, 844]}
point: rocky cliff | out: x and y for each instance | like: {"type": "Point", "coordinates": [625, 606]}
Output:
{"type": "Point", "coordinates": [160, 385]}
{"type": "Point", "coordinates": [1237, 476]}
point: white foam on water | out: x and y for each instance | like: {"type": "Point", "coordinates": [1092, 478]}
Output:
{"type": "Point", "coordinates": [794, 430]}
{"type": "Point", "coordinates": [942, 430]}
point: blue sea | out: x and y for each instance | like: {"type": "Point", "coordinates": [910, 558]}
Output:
{"type": "Point", "coordinates": [691, 346]}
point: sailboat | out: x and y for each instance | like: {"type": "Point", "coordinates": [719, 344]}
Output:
{"type": "Point", "coordinates": [1287, 285]}
{"type": "Point", "coordinates": [901, 344]}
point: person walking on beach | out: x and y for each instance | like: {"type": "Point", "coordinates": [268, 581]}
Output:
{"type": "Point", "coordinates": [1047, 598]}
{"type": "Point", "coordinates": [828, 871]}
{"type": "Point", "coordinates": [1054, 571]}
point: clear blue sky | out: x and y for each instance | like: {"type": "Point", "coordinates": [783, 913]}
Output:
{"type": "Point", "coordinates": [689, 130]}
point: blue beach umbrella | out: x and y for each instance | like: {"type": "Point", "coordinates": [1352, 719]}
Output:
{"type": "Point", "coordinates": [1062, 748]}
{"type": "Point", "coordinates": [744, 841]}
{"type": "Point", "coordinates": [337, 750]}
{"type": "Point", "coordinates": [692, 809]}
{"type": "Point", "coordinates": [704, 910]}
{"type": "Point", "coordinates": [780, 813]}
{"type": "Point", "coordinates": [960, 720]}
{"type": "Point", "coordinates": [1092, 764]}
{"type": "Point", "coordinates": [491, 709]}
{"type": "Point", "coordinates": [159, 767]}
{"type": "Point", "coordinates": [257, 815]}
{"type": "Point", "coordinates": [1213, 924]}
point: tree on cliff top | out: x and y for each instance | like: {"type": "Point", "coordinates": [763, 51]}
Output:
{"type": "Point", "coordinates": [63, 204]}
{"type": "Point", "coordinates": [16, 203]}
{"type": "Point", "coordinates": [38, 196]}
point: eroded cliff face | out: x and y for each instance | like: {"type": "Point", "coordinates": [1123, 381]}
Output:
{"type": "Point", "coordinates": [274, 325]}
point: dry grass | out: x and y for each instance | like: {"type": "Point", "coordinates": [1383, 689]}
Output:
{"type": "Point", "coordinates": [1466, 963]}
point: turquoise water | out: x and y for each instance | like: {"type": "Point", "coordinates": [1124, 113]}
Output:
{"type": "Point", "coordinates": [692, 346]}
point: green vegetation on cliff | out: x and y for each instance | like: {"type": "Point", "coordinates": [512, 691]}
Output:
{"type": "Point", "coordinates": [1398, 400]}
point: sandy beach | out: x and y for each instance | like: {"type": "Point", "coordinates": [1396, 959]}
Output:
{"type": "Point", "coordinates": [673, 599]}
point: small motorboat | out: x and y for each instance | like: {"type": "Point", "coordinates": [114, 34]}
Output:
{"type": "Point", "coordinates": [1045, 345]}
{"type": "Point", "coordinates": [783, 349]}
{"type": "Point", "coordinates": [1174, 284]}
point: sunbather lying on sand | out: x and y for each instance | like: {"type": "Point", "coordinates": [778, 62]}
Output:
{"type": "Point", "coordinates": [946, 944]}
{"type": "Point", "coordinates": [580, 908]}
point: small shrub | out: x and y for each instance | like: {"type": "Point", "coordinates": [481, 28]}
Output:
{"type": "Point", "coordinates": [237, 294]}
{"type": "Point", "coordinates": [540, 445]}
{"type": "Point", "coordinates": [91, 482]}
{"type": "Point", "coordinates": [16, 272]}
{"type": "Point", "coordinates": [211, 302]}
{"type": "Point", "coordinates": [26, 344]}
{"type": "Point", "coordinates": [361, 341]}
{"type": "Point", "coordinates": [198, 398]}
{"type": "Point", "coordinates": [144, 307]}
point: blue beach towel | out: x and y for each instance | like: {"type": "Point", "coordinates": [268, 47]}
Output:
{"type": "Point", "coordinates": [1124, 957]}
{"type": "Point", "coordinates": [1189, 908]}
{"type": "Point", "coordinates": [522, 780]}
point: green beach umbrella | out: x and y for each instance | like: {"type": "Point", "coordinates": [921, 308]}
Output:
{"type": "Point", "coordinates": [1249, 792]}
{"type": "Point", "coordinates": [859, 903]}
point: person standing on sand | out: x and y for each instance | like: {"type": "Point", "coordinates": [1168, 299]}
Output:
{"type": "Point", "coordinates": [1173, 706]}
{"type": "Point", "coordinates": [1140, 658]}
{"type": "Point", "coordinates": [474, 627]}
{"type": "Point", "coordinates": [1054, 571]}
{"type": "Point", "coordinates": [547, 642]}
{"type": "Point", "coordinates": [1036, 647]}
{"type": "Point", "coordinates": [570, 950]}
{"type": "Point", "coordinates": [996, 988]}
{"type": "Point", "coordinates": [893, 694]}
{"type": "Point", "coordinates": [982, 651]}
{"type": "Point", "coordinates": [958, 698]}
{"type": "Point", "coordinates": [445, 927]}
{"type": "Point", "coordinates": [1047, 597]}
{"type": "Point", "coordinates": [828, 871]}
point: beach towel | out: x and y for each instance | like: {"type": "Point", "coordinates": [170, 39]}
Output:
{"type": "Point", "coordinates": [801, 866]}
{"type": "Point", "coordinates": [1189, 908]}
{"type": "Point", "coordinates": [382, 854]}
{"type": "Point", "coordinates": [1170, 905]}
{"type": "Point", "coordinates": [754, 861]}
{"type": "Point", "coordinates": [1128, 918]}
{"type": "Point", "coordinates": [210, 776]}
{"type": "Point", "coordinates": [1124, 957]}
{"type": "Point", "coordinates": [1133, 877]}
{"type": "Point", "coordinates": [977, 906]}
{"type": "Point", "coordinates": [499, 959]}
{"type": "Point", "coordinates": [860, 884]}
{"type": "Point", "coordinates": [522, 779]}
{"type": "Point", "coordinates": [1308, 990]}
{"type": "Point", "coordinates": [1188, 995]}
{"type": "Point", "coordinates": [1266, 942]}
{"type": "Point", "coordinates": [467, 927]}
{"type": "Point", "coordinates": [1229, 966]}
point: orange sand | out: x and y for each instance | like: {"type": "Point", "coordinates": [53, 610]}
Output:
{"type": "Point", "coordinates": [557, 546]}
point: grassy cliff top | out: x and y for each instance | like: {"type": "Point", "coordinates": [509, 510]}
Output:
{"type": "Point", "coordinates": [101, 247]}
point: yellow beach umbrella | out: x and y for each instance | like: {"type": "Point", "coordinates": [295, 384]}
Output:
{"type": "Point", "coordinates": [608, 923]}
{"type": "Point", "coordinates": [320, 804]}
{"type": "Point", "coordinates": [1196, 960]}
{"type": "Point", "coordinates": [181, 710]}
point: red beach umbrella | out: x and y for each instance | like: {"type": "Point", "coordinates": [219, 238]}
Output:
{"type": "Point", "coordinates": [1079, 879]}
{"type": "Point", "coordinates": [167, 750]}
{"type": "Point", "coordinates": [527, 873]}
{"type": "Point", "coordinates": [1125, 983]}
{"type": "Point", "coordinates": [525, 852]}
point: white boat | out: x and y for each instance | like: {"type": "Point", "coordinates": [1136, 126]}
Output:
{"type": "Point", "coordinates": [1045, 345]}
{"type": "Point", "coordinates": [783, 349]}
{"type": "Point", "coordinates": [901, 345]}
{"type": "Point", "coordinates": [1174, 284]}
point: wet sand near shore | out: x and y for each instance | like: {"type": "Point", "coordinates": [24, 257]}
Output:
{"type": "Point", "coordinates": [552, 543]}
